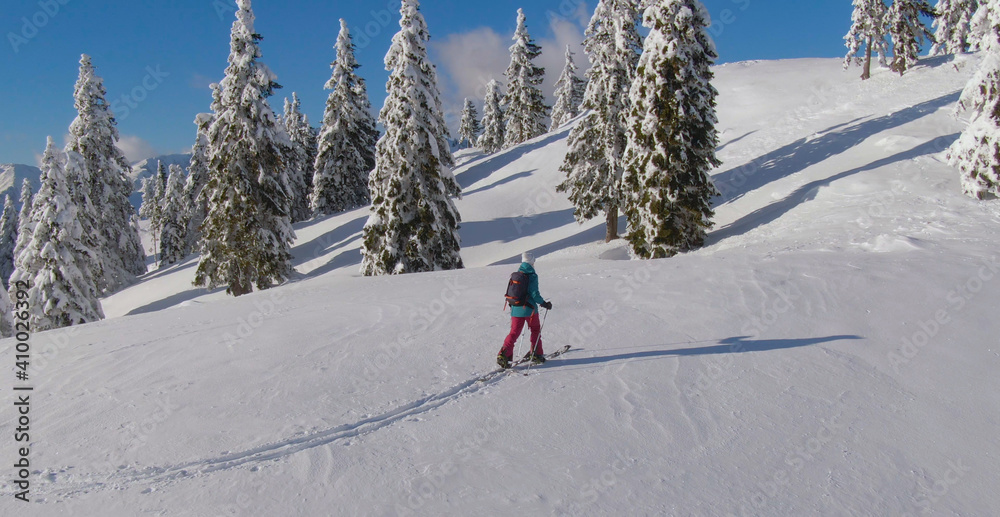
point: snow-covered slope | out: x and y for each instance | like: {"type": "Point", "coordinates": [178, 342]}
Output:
{"type": "Point", "coordinates": [832, 351]}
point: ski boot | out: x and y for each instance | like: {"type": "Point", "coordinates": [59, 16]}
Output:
{"type": "Point", "coordinates": [534, 358]}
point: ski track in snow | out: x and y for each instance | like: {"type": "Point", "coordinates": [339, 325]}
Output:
{"type": "Point", "coordinates": [158, 476]}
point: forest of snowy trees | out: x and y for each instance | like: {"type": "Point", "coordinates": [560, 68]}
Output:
{"type": "Point", "coordinates": [642, 144]}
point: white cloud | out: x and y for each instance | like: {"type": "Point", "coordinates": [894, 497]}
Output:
{"type": "Point", "coordinates": [468, 61]}
{"type": "Point", "coordinates": [565, 31]}
{"type": "Point", "coordinates": [135, 148]}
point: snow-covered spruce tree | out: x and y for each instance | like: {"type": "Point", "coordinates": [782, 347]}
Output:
{"type": "Point", "coordinates": [347, 138]}
{"type": "Point", "coordinates": [981, 26]}
{"type": "Point", "coordinates": [195, 196]}
{"type": "Point", "coordinates": [173, 220]}
{"type": "Point", "coordinates": [977, 152]}
{"type": "Point", "coordinates": [24, 223]}
{"type": "Point", "coordinates": [300, 157]}
{"type": "Point", "coordinates": [153, 189]}
{"type": "Point", "coordinates": [6, 315]}
{"type": "Point", "coordinates": [492, 138]}
{"type": "Point", "coordinates": [54, 261]}
{"type": "Point", "coordinates": [526, 110]}
{"type": "Point", "coordinates": [953, 26]}
{"type": "Point", "coordinates": [594, 162]}
{"type": "Point", "coordinates": [8, 239]}
{"type": "Point", "coordinates": [569, 93]}
{"type": "Point", "coordinates": [247, 232]}
{"type": "Point", "coordinates": [78, 186]}
{"type": "Point", "coordinates": [413, 223]}
{"type": "Point", "coordinates": [470, 127]}
{"type": "Point", "coordinates": [148, 190]}
{"type": "Point", "coordinates": [672, 137]}
{"type": "Point", "coordinates": [93, 135]}
{"type": "Point", "coordinates": [908, 32]}
{"type": "Point", "coordinates": [869, 31]}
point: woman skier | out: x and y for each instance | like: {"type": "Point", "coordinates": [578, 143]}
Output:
{"type": "Point", "coordinates": [527, 312]}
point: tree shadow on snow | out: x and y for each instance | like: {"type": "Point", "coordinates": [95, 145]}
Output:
{"type": "Point", "coordinates": [186, 263]}
{"type": "Point", "coordinates": [351, 257]}
{"type": "Point", "coordinates": [808, 151]}
{"type": "Point", "coordinates": [506, 229]}
{"type": "Point", "coordinates": [807, 192]}
{"type": "Point", "coordinates": [497, 183]}
{"type": "Point", "coordinates": [733, 345]}
{"type": "Point", "coordinates": [329, 241]}
{"type": "Point", "coordinates": [481, 168]}
{"type": "Point", "coordinates": [733, 141]}
{"type": "Point", "coordinates": [589, 236]}
{"type": "Point", "coordinates": [173, 300]}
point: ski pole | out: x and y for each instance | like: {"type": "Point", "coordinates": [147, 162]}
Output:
{"type": "Point", "coordinates": [540, 327]}
{"type": "Point", "coordinates": [539, 340]}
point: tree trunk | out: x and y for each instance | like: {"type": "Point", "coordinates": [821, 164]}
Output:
{"type": "Point", "coordinates": [240, 286]}
{"type": "Point", "coordinates": [612, 223]}
{"type": "Point", "coordinates": [155, 248]}
{"type": "Point", "coordinates": [867, 73]}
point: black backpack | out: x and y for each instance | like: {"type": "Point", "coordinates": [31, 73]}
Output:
{"type": "Point", "coordinates": [517, 289]}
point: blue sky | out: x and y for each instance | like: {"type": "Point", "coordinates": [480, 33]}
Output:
{"type": "Point", "coordinates": [157, 58]}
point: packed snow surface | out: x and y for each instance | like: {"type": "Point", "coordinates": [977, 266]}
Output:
{"type": "Point", "coordinates": [832, 350]}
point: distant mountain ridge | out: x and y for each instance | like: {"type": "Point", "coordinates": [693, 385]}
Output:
{"type": "Point", "coordinates": [146, 168]}
{"type": "Point", "coordinates": [12, 174]}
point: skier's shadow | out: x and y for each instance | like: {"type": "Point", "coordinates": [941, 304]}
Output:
{"type": "Point", "coordinates": [733, 345]}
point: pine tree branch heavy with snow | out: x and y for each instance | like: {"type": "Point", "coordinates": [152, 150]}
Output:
{"type": "Point", "coordinates": [24, 224]}
{"type": "Point", "coordinates": [953, 26]}
{"type": "Point", "coordinates": [54, 262]}
{"type": "Point", "coordinates": [347, 139]}
{"type": "Point", "coordinates": [569, 93]}
{"type": "Point", "coordinates": [153, 189]}
{"type": "Point", "coordinates": [977, 151]}
{"type": "Point", "coordinates": [493, 135]}
{"type": "Point", "coordinates": [525, 108]}
{"type": "Point", "coordinates": [6, 315]}
{"type": "Point", "coordinates": [469, 128]}
{"type": "Point", "coordinates": [594, 162]}
{"type": "Point", "coordinates": [173, 219]}
{"type": "Point", "coordinates": [104, 170]}
{"type": "Point", "coordinates": [981, 27]}
{"type": "Point", "coordinates": [300, 157]}
{"type": "Point", "coordinates": [8, 239]}
{"type": "Point", "coordinates": [195, 195]}
{"type": "Point", "coordinates": [908, 32]}
{"type": "Point", "coordinates": [672, 135]}
{"type": "Point", "coordinates": [247, 232]}
{"type": "Point", "coordinates": [869, 31]}
{"type": "Point", "coordinates": [413, 223]}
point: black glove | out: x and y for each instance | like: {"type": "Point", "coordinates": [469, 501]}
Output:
{"type": "Point", "coordinates": [547, 306]}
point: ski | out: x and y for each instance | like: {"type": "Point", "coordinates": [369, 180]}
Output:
{"type": "Point", "coordinates": [514, 364]}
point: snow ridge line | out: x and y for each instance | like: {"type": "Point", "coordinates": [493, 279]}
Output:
{"type": "Point", "coordinates": [277, 450]}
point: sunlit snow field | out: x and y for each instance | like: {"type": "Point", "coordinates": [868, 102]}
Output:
{"type": "Point", "coordinates": [832, 350]}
